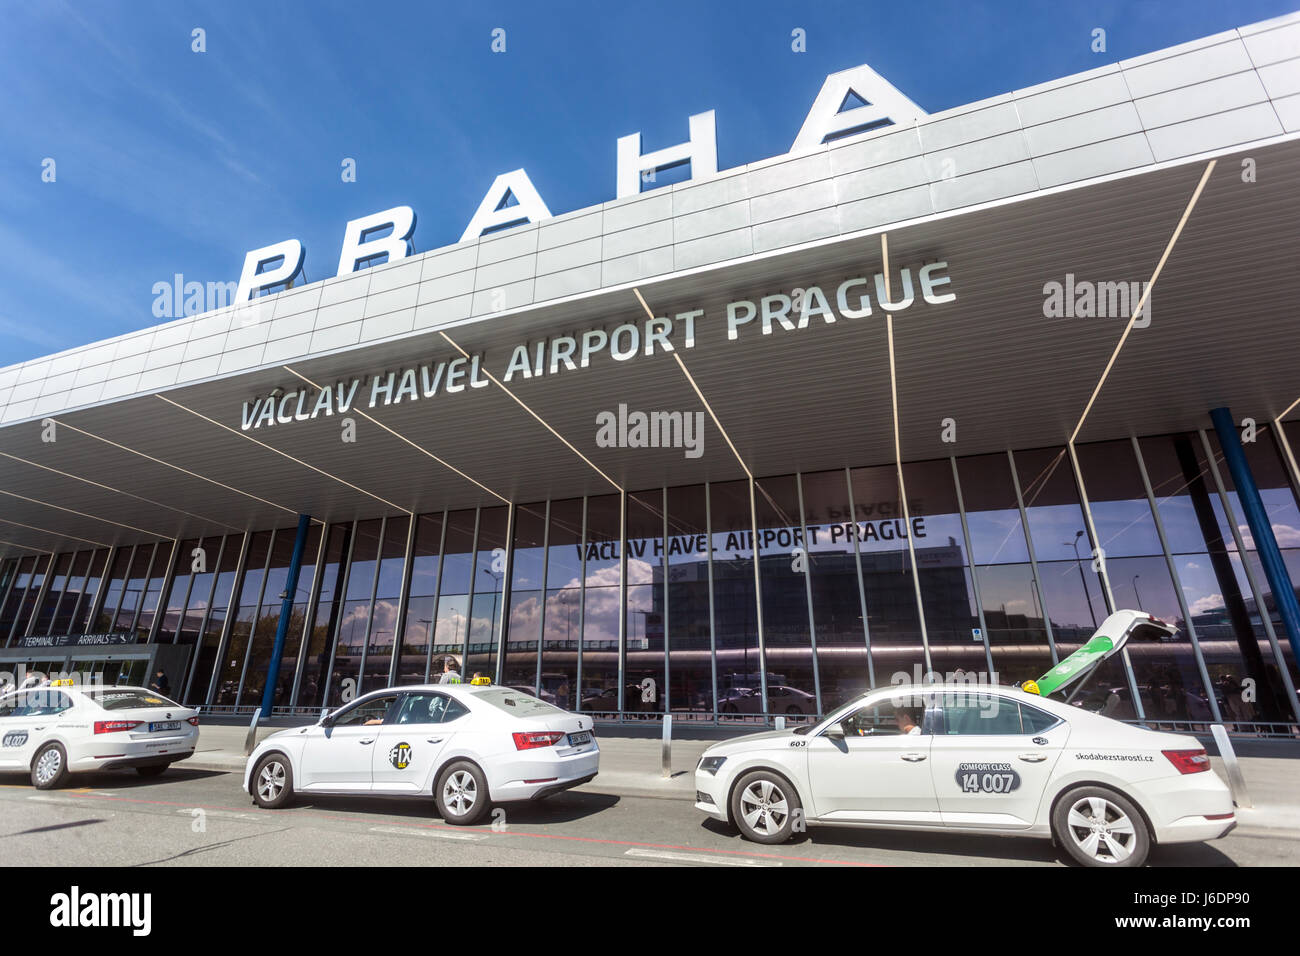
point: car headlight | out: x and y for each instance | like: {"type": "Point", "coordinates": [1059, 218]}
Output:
{"type": "Point", "coordinates": [711, 764]}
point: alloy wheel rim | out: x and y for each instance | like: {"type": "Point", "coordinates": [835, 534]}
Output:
{"type": "Point", "coordinates": [1102, 830]}
{"type": "Point", "coordinates": [460, 793]}
{"type": "Point", "coordinates": [763, 807]}
{"type": "Point", "coordinates": [270, 782]}
{"type": "Point", "coordinates": [48, 765]}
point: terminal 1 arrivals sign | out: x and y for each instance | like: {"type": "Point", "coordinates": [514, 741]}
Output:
{"type": "Point", "coordinates": [852, 101]}
{"type": "Point", "coordinates": [850, 300]}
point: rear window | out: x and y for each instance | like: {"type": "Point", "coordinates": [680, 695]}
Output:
{"type": "Point", "coordinates": [126, 699]}
{"type": "Point", "coordinates": [516, 702]}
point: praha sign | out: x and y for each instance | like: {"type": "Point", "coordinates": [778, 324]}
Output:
{"type": "Point", "coordinates": [387, 236]}
{"type": "Point", "coordinates": [850, 299]}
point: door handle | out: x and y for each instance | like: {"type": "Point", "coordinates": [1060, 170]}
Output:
{"type": "Point", "coordinates": [912, 758]}
{"type": "Point", "coordinates": [364, 742]}
{"type": "Point", "coordinates": [435, 740]}
{"type": "Point", "coordinates": [1033, 758]}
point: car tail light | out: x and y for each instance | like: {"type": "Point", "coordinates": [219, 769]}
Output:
{"type": "Point", "coordinates": [194, 721]}
{"type": "Point", "coordinates": [527, 741]}
{"type": "Point", "coordinates": [1188, 761]}
{"type": "Point", "coordinates": [115, 726]}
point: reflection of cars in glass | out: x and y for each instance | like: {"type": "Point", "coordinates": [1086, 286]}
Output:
{"type": "Point", "coordinates": [782, 699]}
{"type": "Point", "coordinates": [466, 745]}
{"type": "Point", "coordinates": [971, 759]}
{"type": "Point", "coordinates": [62, 728]}
{"type": "Point", "coordinates": [1117, 702]}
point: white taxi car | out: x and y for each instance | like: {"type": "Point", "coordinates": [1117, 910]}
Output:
{"type": "Point", "coordinates": [972, 759]}
{"type": "Point", "coordinates": [60, 728]}
{"type": "Point", "coordinates": [466, 745]}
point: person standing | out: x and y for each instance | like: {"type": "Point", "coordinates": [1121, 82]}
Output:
{"type": "Point", "coordinates": [450, 672]}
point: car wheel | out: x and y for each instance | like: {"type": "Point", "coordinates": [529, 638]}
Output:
{"type": "Point", "coordinates": [154, 770]}
{"type": "Point", "coordinates": [728, 708]}
{"type": "Point", "coordinates": [1098, 827]}
{"type": "Point", "coordinates": [792, 709]}
{"type": "Point", "coordinates": [462, 794]}
{"type": "Point", "coordinates": [273, 782]}
{"type": "Point", "coordinates": [764, 806]}
{"type": "Point", "coordinates": [50, 768]}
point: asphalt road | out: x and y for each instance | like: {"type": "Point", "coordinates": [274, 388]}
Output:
{"type": "Point", "coordinates": [195, 817]}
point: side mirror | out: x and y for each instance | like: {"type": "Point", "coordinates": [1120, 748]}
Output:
{"type": "Point", "coordinates": [326, 718]}
{"type": "Point", "coordinates": [834, 732]}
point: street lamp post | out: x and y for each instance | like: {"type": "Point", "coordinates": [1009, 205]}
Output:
{"type": "Point", "coordinates": [1135, 591]}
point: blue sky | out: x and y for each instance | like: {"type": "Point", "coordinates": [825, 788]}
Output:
{"type": "Point", "coordinates": [174, 161]}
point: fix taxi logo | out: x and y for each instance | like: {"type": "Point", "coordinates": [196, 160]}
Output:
{"type": "Point", "coordinates": [76, 909]}
{"type": "Point", "coordinates": [400, 756]}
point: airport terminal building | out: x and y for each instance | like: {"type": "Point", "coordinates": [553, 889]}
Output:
{"type": "Point", "coordinates": [930, 393]}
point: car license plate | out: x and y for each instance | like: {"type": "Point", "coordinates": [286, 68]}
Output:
{"type": "Point", "coordinates": [164, 725]}
{"type": "Point", "coordinates": [577, 740]}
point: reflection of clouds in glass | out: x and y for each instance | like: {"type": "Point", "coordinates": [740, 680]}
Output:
{"type": "Point", "coordinates": [600, 623]}
{"type": "Point", "coordinates": [526, 618]}
{"type": "Point", "coordinates": [640, 571]}
{"type": "Point", "coordinates": [604, 578]}
{"type": "Point", "coordinates": [1211, 602]}
{"type": "Point", "coordinates": [1286, 535]}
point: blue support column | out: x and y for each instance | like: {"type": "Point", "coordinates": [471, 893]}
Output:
{"type": "Point", "coordinates": [286, 612]}
{"type": "Point", "coordinates": [1260, 528]}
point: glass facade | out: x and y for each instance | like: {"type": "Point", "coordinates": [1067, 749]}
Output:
{"type": "Point", "coordinates": [737, 600]}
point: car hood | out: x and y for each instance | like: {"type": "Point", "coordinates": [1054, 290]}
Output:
{"type": "Point", "coordinates": [758, 741]}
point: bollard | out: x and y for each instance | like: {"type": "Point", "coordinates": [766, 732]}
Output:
{"type": "Point", "coordinates": [1236, 782]}
{"type": "Point", "coordinates": [779, 722]}
{"type": "Point", "coordinates": [667, 768]}
{"type": "Point", "coordinates": [251, 740]}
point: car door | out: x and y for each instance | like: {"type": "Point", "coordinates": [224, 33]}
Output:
{"type": "Point", "coordinates": [872, 766]}
{"type": "Point", "coordinates": [17, 739]}
{"type": "Point", "coordinates": [413, 736]}
{"type": "Point", "coordinates": [338, 754]}
{"type": "Point", "coordinates": [992, 758]}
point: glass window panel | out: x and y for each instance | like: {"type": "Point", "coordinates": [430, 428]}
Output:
{"type": "Point", "coordinates": [1120, 511]}
{"type": "Point", "coordinates": [947, 597]}
{"type": "Point", "coordinates": [524, 629]}
{"type": "Point", "coordinates": [564, 558]}
{"type": "Point", "coordinates": [992, 513]}
{"type": "Point", "coordinates": [417, 629]}
{"type": "Point", "coordinates": [690, 659]}
{"type": "Point", "coordinates": [644, 627]}
{"type": "Point", "coordinates": [892, 618]}
{"type": "Point", "coordinates": [268, 621]}
{"type": "Point", "coordinates": [58, 582]}
{"type": "Point", "coordinates": [735, 608]}
{"type": "Point", "coordinates": [383, 619]}
{"type": "Point", "coordinates": [1052, 503]}
{"type": "Point", "coordinates": [562, 625]}
{"type": "Point", "coordinates": [311, 691]}
{"type": "Point", "coordinates": [489, 587]}
{"type": "Point", "coordinates": [790, 686]}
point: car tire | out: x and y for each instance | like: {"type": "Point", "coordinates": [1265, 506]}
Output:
{"type": "Point", "coordinates": [792, 709]}
{"type": "Point", "coordinates": [1099, 827]}
{"type": "Point", "coordinates": [728, 708]}
{"type": "Point", "coordinates": [154, 770]}
{"type": "Point", "coordinates": [50, 767]}
{"type": "Point", "coordinates": [461, 794]}
{"type": "Point", "coordinates": [272, 782]}
{"type": "Point", "coordinates": [764, 807]}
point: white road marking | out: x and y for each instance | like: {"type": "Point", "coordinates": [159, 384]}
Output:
{"type": "Point", "coordinates": [70, 801]}
{"type": "Point", "coordinates": [439, 834]}
{"type": "Point", "coordinates": [701, 858]}
{"type": "Point", "coordinates": [222, 814]}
